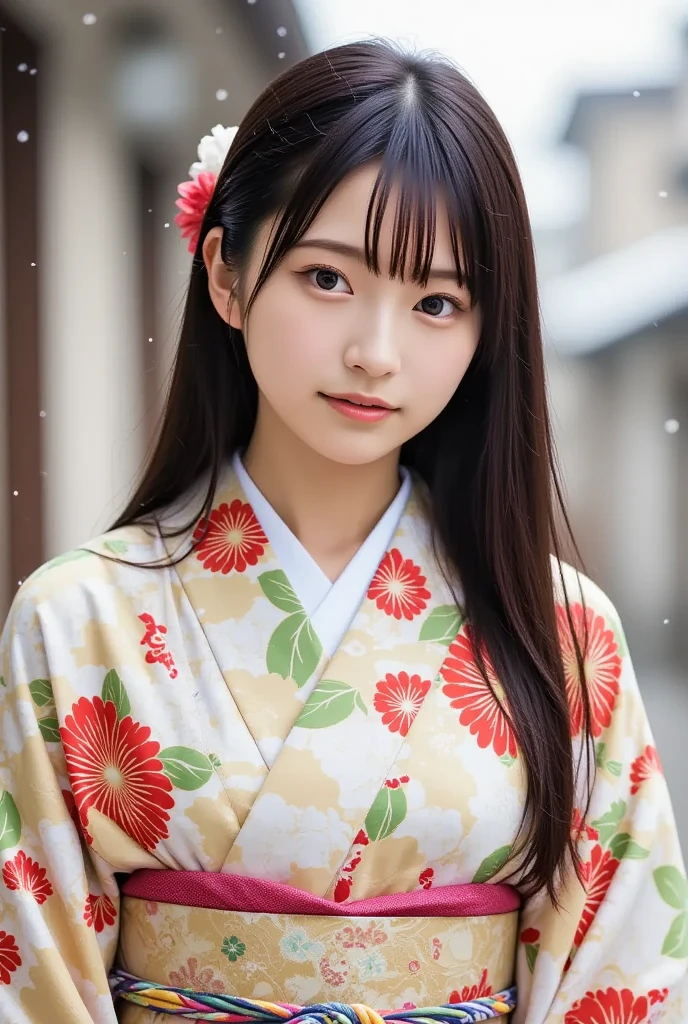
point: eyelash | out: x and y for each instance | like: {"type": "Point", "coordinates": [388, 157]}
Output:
{"type": "Point", "coordinates": [458, 306]}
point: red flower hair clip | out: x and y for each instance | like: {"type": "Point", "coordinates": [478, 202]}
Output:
{"type": "Point", "coordinates": [197, 193]}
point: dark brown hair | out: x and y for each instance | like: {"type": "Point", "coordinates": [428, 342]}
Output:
{"type": "Point", "coordinates": [488, 459]}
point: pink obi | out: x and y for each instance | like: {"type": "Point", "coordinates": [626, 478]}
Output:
{"type": "Point", "coordinates": [242, 944]}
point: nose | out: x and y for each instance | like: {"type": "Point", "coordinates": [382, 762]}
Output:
{"type": "Point", "coordinates": [375, 349]}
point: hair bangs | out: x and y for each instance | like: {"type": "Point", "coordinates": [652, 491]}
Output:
{"type": "Point", "coordinates": [400, 135]}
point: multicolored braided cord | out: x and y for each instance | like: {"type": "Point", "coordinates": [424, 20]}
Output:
{"type": "Point", "coordinates": [183, 1002]}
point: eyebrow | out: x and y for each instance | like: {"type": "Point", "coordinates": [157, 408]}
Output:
{"type": "Point", "coordinates": [344, 249]}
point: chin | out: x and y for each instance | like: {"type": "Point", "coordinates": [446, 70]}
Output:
{"type": "Point", "coordinates": [346, 453]}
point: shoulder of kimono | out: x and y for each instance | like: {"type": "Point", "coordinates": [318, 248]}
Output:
{"type": "Point", "coordinates": [118, 556]}
{"type": "Point", "coordinates": [578, 588]}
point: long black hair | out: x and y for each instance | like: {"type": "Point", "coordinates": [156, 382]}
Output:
{"type": "Point", "coordinates": [496, 503]}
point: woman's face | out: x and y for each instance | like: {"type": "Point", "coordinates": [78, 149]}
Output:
{"type": "Point", "coordinates": [351, 364]}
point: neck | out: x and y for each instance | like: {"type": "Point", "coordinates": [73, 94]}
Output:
{"type": "Point", "coordinates": [330, 507]}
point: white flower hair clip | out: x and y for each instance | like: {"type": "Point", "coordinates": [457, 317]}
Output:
{"type": "Point", "coordinates": [197, 193]}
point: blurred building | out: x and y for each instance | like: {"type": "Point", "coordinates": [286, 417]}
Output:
{"type": "Point", "coordinates": [617, 322]}
{"type": "Point", "coordinates": [103, 106]}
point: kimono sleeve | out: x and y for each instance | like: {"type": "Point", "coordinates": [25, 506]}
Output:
{"type": "Point", "coordinates": [59, 906]}
{"type": "Point", "coordinates": [616, 952]}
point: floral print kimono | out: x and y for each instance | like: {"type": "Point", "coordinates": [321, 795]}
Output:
{"type": "Point", "coordinates": [237, 714]}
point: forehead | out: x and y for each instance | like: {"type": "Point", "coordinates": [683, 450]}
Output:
{"type": "Point", "coordinates": [344, 214]}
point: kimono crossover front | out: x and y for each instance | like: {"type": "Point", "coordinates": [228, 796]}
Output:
{"type": "Point", "coordinates": [231, 789]}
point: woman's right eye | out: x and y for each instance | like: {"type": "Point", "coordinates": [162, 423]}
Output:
{"type": "Point", "coordinates": [325, 279]}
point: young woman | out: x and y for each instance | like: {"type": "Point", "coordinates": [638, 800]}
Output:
{"type": "Point", "coordinates": [282, 736]}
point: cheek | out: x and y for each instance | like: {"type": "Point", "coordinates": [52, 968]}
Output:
{"type": "Point", "coordinates": [437, 374]}
{"type": "Point", "coordinates": [285, 342]}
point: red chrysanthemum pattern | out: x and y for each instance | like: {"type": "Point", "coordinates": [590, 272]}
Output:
{"type": "Point", "coordinates": [24, 873]}
{"type": "Point", "coordinates": [345, 881]}
{"type": "Point", "coordinates": [426, 878]}
{"type": "Point", "coordinates": [398, 587]}
{"type": "Point", "coordinates": [154, 639]}
{"type": "Point", "coordinates": [196, 196]}
{"type": "Point", "coordinates": [580, 828]}
{"type": "Point", "coordinates": [644, 767]}
{"type": "Point", "coordinates": [9, 957]}
{"type": "Point", "coordinates": [399, 699]}
{"type": "Point", "coordinates": [596, 876]}
{"type": "Point", "coordinates": [234, 540]}
{"type": "Point", "coordinates": [114, 768]}
{"type": "Point", "coordinates": [469, 992]}
{"type": "Point", "coordinates": [99, 912]}
{"type": "Point", "coordinates": [610, 1006]}
{"type": "Point", "coordinates": [602, 667]}
{"type": "Point", "coordinates": [468, 691]}
{"type": "Point", "coordinates": [202, 979]}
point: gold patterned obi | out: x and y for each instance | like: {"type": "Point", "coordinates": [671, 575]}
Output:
{"type": "Point", "coordinates": [234, 940]}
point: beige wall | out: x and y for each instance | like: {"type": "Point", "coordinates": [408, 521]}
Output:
{"type": "Point", "coordinates": [93, 387]}
{"type": "Point", "coordinates": [5, 492]}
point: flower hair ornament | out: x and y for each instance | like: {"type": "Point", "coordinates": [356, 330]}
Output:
{"type": "Point", "coordinates": [197, 193]}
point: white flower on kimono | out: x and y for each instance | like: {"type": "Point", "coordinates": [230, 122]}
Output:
{"type": "Point", "coordinates": [282, 835]}
{"type": "Point", "coordinates": [437, 831]}
{"type": "Point", "coordinates": [297, 946]}
{"type": "Point", "coordinates": [371, 965]}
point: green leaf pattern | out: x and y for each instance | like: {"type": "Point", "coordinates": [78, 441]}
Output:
{"type": "Point", "coordinates": [41, 692]}
{"type": "Point", "coordinates": [492, 865]}
{"type": "Point", "coordinates": [186, 768]}
{"type": "Point", "coordinates": [330, 703]}
{"type": "Point", "coordinates": [386, 813]}
{"type": "Point", "coordinates": [10, 822]}
{"type": "Point", "coordinates": [294, 650]}
{"type": "Point", "coordinates": [442, 624]}
{"type": "Point", "coordinates": [113, 690]}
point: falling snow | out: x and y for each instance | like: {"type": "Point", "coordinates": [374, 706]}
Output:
{"type": "Point", "coordinates": [671, 426]}
{"type": "Point", "coordinates": [281, 55]}
{"type": "Point", "coordinates": [42, 414]}
{"type": "Point", "coordinates": [663, 195]}
{"type": "Point", "coordinates": [22, 67]}
{"type": "Point", "coordinates": [15, 493]}
{"type": "Point", "coordinates": [636, 94]}
{"type": "Point", "coordinates": [89, 19]}
{"type": "Point", "coordinates": [281, 31]}
{"type": "Point", "coordinates": [23, 136]}
{"type": "Point", "coordinates": [221, 95]}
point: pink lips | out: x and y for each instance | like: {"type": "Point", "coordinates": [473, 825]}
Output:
{"type": "Point", "coordinates": [360, 407]}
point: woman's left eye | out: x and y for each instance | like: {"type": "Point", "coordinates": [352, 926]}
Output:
{"type": "Point", "coordinates": [439, 307]}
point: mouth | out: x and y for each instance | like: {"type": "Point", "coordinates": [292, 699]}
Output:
{"type": "Point", "coordinates": [363, 408]}
{"type": "Point", "coordinates": [365, 401]}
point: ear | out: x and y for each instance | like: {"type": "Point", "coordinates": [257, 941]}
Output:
{"type": "Point", "coordinates": [222, 282]}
